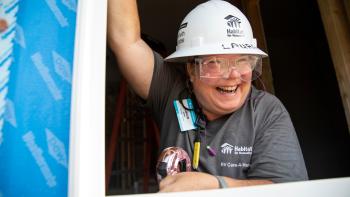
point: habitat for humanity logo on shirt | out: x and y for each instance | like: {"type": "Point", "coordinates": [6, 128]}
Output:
{"type": "Point", "coordinates": [229, 149]}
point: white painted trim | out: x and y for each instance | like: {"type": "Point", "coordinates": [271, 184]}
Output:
{"type": "Point", "coordinates": [338, 187]}
{"type": "Point", "coordinates": [87, 127]}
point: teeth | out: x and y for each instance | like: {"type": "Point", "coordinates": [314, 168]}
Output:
{"type": "Point", "coordinates": [227, 89]}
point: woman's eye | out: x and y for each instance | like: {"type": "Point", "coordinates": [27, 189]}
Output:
{"type": "Point", "coordinates": [219, 61]}
{"type": "Point", "coordinates": [242, 61]}
{"type": "Point", "coordinates": [211, 62]}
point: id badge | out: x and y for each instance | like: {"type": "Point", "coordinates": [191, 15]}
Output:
{"type": "Point", "coordinates": [186, 118]}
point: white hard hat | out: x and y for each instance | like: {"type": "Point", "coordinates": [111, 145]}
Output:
{"type": "Point", "coordinates": [214, 27]}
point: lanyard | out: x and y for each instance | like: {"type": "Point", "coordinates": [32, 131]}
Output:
{"type": "Point", "coordinates": [201, 124]}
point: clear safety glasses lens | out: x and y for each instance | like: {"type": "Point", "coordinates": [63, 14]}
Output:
{"type": "Point", "coordinates": [214, 68]}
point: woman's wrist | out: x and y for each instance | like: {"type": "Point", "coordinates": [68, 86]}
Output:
{"type": "Point", "coordinates": [222, 182]}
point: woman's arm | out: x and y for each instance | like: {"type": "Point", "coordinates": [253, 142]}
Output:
{"type": "Point", "coordinates": [188, 181]}
{"type": "Point", "coordinates": [134, 56]}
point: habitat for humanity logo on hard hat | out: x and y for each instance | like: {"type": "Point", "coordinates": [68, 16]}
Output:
{"type": "Point", "coordinates": [234, 26]}
{"type": "Point", "coordinates": [181, 34]}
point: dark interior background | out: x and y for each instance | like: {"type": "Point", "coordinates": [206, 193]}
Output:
{"type": "Point", "coordinates": [304, 79]}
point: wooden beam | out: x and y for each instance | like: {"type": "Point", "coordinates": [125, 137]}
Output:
{"type": "Point", "coordinates": [252, 11]}
{"type": "Point", "coordinates": [347, 9]}
{"type": "Point", "coordinates": [334, 17]}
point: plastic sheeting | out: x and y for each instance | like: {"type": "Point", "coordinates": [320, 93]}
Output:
{"type": "Point", "coordinates": [34, 128]}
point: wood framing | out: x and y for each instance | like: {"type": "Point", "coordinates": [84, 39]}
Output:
{"type": "Point", "coordinates": [347, 9]}
{"type": "Point", "coordinates": [337, 28]}
{"type": "Point", "coordinates": [252, 11]}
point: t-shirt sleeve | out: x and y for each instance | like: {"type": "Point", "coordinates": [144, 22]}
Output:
{"type": "Point", "coordinates": [277, 154]}
{"type": "Point", "coordinates": [163, 79]}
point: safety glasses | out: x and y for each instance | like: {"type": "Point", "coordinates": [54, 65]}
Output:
{"type": "Point", "coordinates": [211, 69]}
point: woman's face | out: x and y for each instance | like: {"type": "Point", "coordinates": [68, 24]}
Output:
{"type": "Point", "coordinates": [224, 95]}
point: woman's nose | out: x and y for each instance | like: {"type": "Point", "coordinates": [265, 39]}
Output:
{"type": "Point", "coordinates": [234, 73]}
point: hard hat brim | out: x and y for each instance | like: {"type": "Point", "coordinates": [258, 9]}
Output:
{"type": "Point", "coordinates": [184, 54]}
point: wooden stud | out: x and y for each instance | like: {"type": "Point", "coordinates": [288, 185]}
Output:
{"type": "Point", "coordinates": [336, 24]}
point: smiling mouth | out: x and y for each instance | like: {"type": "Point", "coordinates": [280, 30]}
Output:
{"type": "Point", "coordinates": [227, 89]}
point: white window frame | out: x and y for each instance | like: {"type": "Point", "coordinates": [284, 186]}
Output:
{"type": "Point", "coordinates": [87, 128]}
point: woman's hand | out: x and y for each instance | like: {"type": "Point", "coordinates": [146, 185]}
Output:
{"type": "Point", "coordinates": [187, 181]}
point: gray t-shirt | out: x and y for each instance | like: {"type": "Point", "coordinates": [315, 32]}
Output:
{"type": "Point", "coordinates": [258, 141]}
